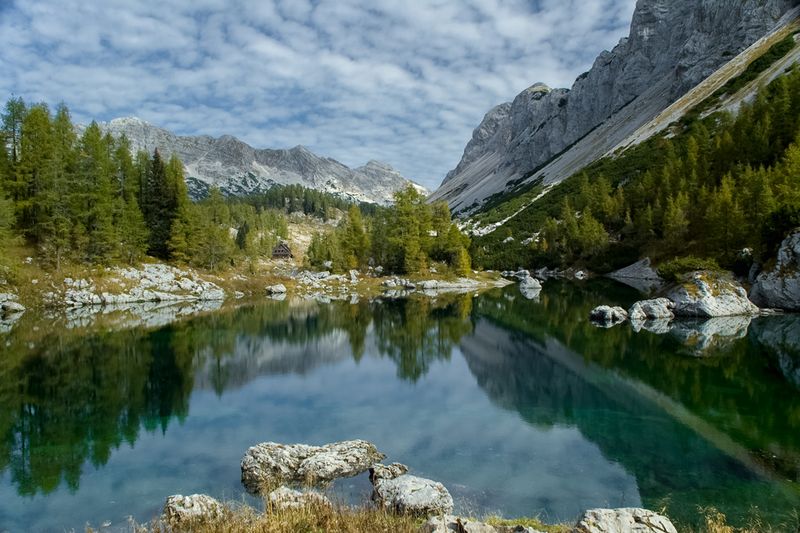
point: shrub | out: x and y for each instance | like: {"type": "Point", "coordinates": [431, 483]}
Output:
{"type": "Point", "coordinates": [672, 270]}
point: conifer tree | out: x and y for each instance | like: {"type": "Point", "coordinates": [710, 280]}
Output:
{"type": "Point", "coordinates": [35, 173]}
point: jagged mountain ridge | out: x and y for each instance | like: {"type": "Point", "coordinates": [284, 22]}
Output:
{"type": "Point", "coordinates": [549, 134]}
{"type": "Point", "coordinates": [237, 168]}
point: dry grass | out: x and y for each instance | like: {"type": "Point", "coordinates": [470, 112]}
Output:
{"type": "Point", "coordinates": [535, 523]}
{"type": "Point", "coordinates": [311, 519]}
{"type": "Point", "coordinates": [713, 521]}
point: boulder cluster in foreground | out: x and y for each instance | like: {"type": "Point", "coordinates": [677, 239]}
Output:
{"type": "Point", "coordinates": [701, 295]}
{"type": "Point", "coordinates": [288, 475]}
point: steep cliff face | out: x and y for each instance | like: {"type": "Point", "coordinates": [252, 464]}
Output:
{"type": "Point", "coordinates": [238, 168]}
{"type": "Point", "coordinates": [673, 45]}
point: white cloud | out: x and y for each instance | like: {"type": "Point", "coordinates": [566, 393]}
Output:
{"type": "Point", "coordinates": [402, 82]}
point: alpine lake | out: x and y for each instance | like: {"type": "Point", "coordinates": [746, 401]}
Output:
{"type": "Point", "coordinates": [519, 407]}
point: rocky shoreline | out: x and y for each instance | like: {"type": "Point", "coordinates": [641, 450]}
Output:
{"type": "Point", "coordinates": [289, 476]}
{"type": "Point", "coordinates": [155, 293]}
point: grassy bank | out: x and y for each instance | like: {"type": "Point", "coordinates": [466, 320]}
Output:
{"type": "Point", "coordinates": [322, 518]}
{"type": "Point", "coordinates": [367, 519]}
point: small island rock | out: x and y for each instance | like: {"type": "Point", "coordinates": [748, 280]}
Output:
{"type": "Point", "coordinates": [270, 464]}
{"type": "Point", "coordinates": [607, 316]}
{"type": "Point", "coordinates": [708, 294]}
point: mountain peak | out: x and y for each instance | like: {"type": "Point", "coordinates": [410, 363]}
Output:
{"type": "Point", "coordinates": [128, 121]}
{"type": "Point", "coordinates": [237, 168]}
{"type": "Point", "coordinates": [549, 134]}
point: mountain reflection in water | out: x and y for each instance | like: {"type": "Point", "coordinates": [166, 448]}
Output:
{"type": "Point", "coordinates": [519, 406]}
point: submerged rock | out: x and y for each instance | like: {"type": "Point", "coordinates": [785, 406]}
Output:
{"type": "Point", "coordinates": [286, 498]}
{"type": "Point", "coordinates": [188, 511]}
{"type": "Point", "coordinates": [627, 520]}
{"type": "Point", "coordinates": [455, 524]}
{"type": "Point", "coordinates": [407, 494]}
{"type": "Point", "coordinates": [607, 316]}
{"type": "Point", "coordinates": [270, 464]}
{"type": "Point", "coordinates": [708, 294]}
{"type": "Point", "coordinates": [780, 287]}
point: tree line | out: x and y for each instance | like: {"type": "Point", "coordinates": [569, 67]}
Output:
{"type": "Point", "coordinates": [86, 198]}
{"type": "Point", "coordinates": [407, 237]}
{"type": "Point", "coordinates": [725, 187]}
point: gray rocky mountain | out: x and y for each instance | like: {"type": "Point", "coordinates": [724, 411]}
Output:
{"type": "Point", "coordinates": [237, 168]}
{"type": "Point", "coordinates": [548, 133]}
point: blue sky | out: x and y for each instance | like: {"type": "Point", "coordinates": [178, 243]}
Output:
{"type": "Point", "coordinates": [401, 82]}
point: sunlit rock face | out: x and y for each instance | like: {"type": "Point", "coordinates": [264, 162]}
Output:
{"type": "Point", "coordinates": [673, 45]}
{"type": "Point", "coordinates": [238, 169]}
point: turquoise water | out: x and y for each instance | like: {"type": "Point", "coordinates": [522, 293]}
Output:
{"type": "Point", "coordinates": [519, 407]}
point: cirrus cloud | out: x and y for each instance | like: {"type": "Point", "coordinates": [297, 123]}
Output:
{"type": "Point", "coordinates": [402, 82]}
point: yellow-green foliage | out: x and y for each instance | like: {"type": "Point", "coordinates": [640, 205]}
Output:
{"type": "Point", "coordinates": [714, 187]}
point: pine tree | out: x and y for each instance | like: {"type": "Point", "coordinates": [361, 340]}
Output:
{"type": "Point", "coordinates": [12, 118]}
{"type": "Point", "coordinates": [97, 173]}
{"type": "Point", "coordinates": [133, 231]}
{"type": "Point", "coordinates": [184, 234]}
{"type": "Point", "coordinates": [675, 226]}
{"type": "Point", "coordinates": [355, 241]}
{"type": "Point", "coordinates": [6, 221]}
{"type": "Point", "coordinates": [56, 240]}
{"type": "Point", "coordinates": [35, 173]}
{"type": "Point", "coordinates": [725, 220]}
{"type": "Point", "coordinates": [156, 207]}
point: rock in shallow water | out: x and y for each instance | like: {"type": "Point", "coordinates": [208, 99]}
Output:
{"type": "Point", "coordinates": [656, 309]}
{"type": "Point", "coordinates": [270, 464]}
{"type": "Point", "coordinates": [708, 294]}
{"type": "Point", "coordinates": [413, 495]}
{"type": "Point", "coordinates": [186, 511]}
{"type": "Point", "coordinates": [280, 288]}
{"type": "Point", "coordinates": [627, 520]}
{"type": "Point", "coordinates": [530, 288]}
{"type": "Point", "coordinates": [780, 287]}
{"type": "Point", "coordinates": [606, 316]}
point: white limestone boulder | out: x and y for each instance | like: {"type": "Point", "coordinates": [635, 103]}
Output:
{"type": "Point", "coordinates": [626, 520]}
{"type": "Point", "coordinates": [709, 294]}
{"type": "Point", "coordinates": [780, 287]}
{"type": "Point", "coordinates": [407, 494]}
{"type": "Point", "coordinates": [270, 464]}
